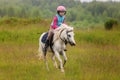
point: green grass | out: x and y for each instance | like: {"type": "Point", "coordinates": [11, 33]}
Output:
{"type": "Point", "coordinates": [95, 57]}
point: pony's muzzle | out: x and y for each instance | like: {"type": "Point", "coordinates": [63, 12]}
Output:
{"type": "Point", "coordinates": [72, 44]}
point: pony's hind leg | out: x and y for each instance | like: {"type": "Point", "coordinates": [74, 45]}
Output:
{"type": "Point", "coordinates": [45, 60]}
{"type": "Point", "coordinates": [53, 58]}
{"type": "Point", "coordinates": [41, 55]}
{"type": "Point", "coordinates": [46, 63]}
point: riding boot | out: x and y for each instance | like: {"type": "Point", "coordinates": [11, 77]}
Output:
{"type": "Point", "coordinates": [65, 49]}
{"type": "Point", "coordinates": [46, 46]}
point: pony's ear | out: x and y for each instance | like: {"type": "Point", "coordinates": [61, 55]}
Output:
{"type": "Point", "coordinates": [70, 29]}
{"type": "Point", "coordinates": [64, 25]}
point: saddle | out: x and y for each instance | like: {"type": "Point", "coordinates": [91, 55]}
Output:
{"type": "Point", "coordinates": [44, 38]}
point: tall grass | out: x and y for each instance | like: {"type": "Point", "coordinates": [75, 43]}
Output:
{"type": "Point", "coordinates": [95, 57]}
{"type": "Point", "coordinates": [101, 37]}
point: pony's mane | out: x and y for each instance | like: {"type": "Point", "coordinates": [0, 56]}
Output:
{"type": "Point", "coordinates": [58, 31]}
{"type": "Point", "coordinates": [63, 26]}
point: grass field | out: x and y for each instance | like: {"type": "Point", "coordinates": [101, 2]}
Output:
{"type": "Point", "coordinates": [95, 57]}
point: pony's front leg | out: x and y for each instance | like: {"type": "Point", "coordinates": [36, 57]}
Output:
{"type": "Point", "coordinates": [60, 60]}
{"type": "Point", "coordinates": [64, 56]}
{"type": "Point", "coordinates": [55, 63]}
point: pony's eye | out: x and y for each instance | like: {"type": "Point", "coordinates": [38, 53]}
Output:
{"type": "Point", "coordinates": [69, 35]}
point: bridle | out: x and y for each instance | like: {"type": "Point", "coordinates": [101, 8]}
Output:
{"type": "Point", "coordinates": [64, 40]}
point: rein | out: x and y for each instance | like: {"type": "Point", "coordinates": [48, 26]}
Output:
{"type": "Point", "coordinates": [61, 38]}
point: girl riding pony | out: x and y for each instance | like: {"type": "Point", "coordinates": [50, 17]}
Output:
{"type": "Point", "coordinates": [57, 21]}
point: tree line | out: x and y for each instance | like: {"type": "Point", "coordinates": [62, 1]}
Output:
{"type": "Point", "coordinates": [84, 13]}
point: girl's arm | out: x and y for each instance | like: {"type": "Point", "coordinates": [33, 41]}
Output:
{"type": "Point", "coordinates": [55, 20]}
{"type": "Point", "coordinates": [64, 22]}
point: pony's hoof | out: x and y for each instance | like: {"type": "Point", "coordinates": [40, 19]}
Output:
{"type": "Point", "coordinates": [40, 57]}
{"type": "Point", "coordinates": [55, 65]}
{"type": "Point", "coordinates": [62, 70]}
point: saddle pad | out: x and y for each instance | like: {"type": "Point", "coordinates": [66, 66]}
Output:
{"type": "Point", "coordinates": [44, 37]}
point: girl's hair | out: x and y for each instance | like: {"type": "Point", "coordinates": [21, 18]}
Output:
{"type": "Point", "coordinates": [60, 11]}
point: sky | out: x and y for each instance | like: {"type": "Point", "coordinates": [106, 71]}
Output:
{"type": "Point", "coordinates": [99, 0]}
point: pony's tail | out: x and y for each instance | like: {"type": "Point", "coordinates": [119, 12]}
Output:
{"type": "Point", "coordinates": [40, 53]}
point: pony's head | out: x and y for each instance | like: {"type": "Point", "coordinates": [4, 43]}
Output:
{"type": "Point", "coordinates": [70, 36]}
{"type": "Point", "coordinates": [66, 34]}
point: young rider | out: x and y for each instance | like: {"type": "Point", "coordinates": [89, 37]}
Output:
{"type": "Point", "coordinates": [57, 21]}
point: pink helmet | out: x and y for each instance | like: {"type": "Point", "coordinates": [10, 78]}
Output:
{"type": "Point", "coordinates": [61, 8]}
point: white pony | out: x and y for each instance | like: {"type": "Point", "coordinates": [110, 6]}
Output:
{"type": "Point", "coordinates": [62, 35]}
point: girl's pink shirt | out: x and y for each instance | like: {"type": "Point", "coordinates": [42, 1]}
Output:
{"type": "Point", "coordinates": [55, 20]}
